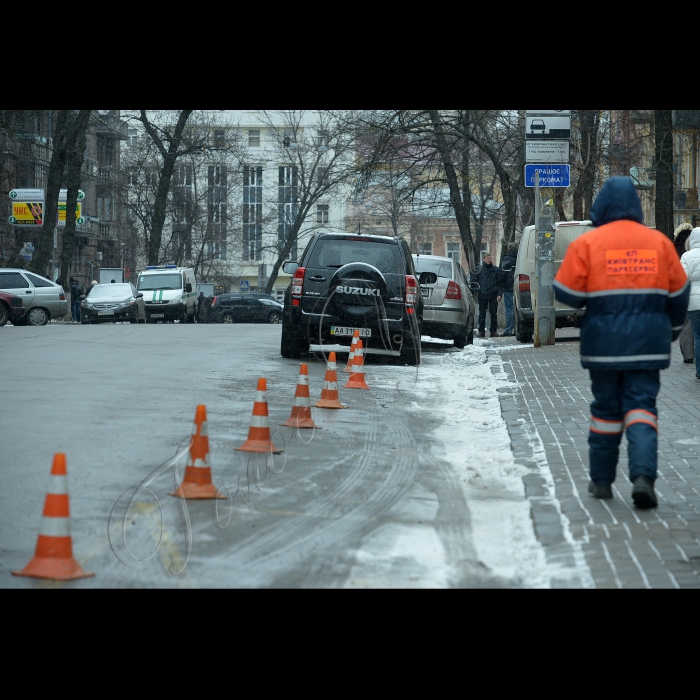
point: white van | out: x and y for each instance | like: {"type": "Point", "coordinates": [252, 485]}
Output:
{"type": "Point", "coordinates": [525, 283]}
{"type": "Point", "coordinates": [170, 293]}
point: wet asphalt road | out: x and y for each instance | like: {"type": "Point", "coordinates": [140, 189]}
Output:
{"type": "Point", "coordinates": [366, 501]}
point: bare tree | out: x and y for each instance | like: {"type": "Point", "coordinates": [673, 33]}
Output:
{"type": "Point", "coordinates": [663, 139]}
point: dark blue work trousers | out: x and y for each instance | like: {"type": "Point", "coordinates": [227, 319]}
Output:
{"type": "Point", "coordinates": [624, 401]}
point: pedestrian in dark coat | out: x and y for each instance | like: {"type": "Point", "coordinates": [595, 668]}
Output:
{"type": "Point", "coordinates": [76, 291]}
{"type": "Point", "coordinates": [636, 293]}
{"type": "Point", "coordinates": [687, 339]}
{"type": "Point", "coordinates": [489, 279]}
{"type": "Point", "coordinates": [508, 269]}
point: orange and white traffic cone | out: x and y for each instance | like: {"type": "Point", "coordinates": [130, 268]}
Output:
{"type": "Point", "coordinates": [357, 378]}
{"type": "Point", "coordinates": [329, 395]}
{"type": "Point", "coordinates": [259, 438]}
{"type": "Point", "coordinates": [53, 558]}
{"type": "Point", "coordinates": [353, 347]}
{"type": "Point", "coordinates": [197, 484]}
{"type": "Point", "coordinates": [301, 411]}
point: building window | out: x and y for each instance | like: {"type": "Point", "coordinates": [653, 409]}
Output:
{"type": "Point", "coordinates": [217, 211]}
{"type": "Point", "coordinates": [252, 213]}
{"type": "Point", "coordinates": [132, 137]}
{"type": "Point", "coordinates": [322, 213]}
{"type": "Point", "coordinates": [104, 206]}
{"type": "Point", "coordinates": [254, 138]}
{"type": "Point", "coordinates": [454, 251]}
{"type": "Point", "coordinates": [484, 245]}
{"type": "Point", "coordinates": [220, 138]}
{"type": "Point", "coordinates": [287, 207]}
{"type": "Point", "coordinates": [425, 248]}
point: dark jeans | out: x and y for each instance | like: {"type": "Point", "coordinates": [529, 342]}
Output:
{"type": "Point", "coordinates": [624, 400]}
{"type": "Point", "coordinates": [75, 311]}
{"type": "Point", "coordinates": [695, 321]}
{"type": "Point", "coordinates": [490, 305]}
{"type": "Point", "coordinates": [508, 301]}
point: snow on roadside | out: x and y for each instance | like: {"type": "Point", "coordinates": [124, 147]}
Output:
{"type": "Point", "coordinates": [477, 444]}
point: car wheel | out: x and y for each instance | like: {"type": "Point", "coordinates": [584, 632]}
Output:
{"type": "Point", "coordinates": [293, 344]}
{"type": "Point", "coordinates": [227, 318]}
{"type": "Point", "coordinates": [274, 317]}
{"type": "Point", "coordinates": [523, 333]}
{"type": "Point", "coordinates": [4, 314]}
{"type": "Point", "coordinates": [37, 317]}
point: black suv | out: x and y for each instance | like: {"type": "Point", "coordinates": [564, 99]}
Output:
{"type": "Point", "coordinates": [241, 308]}
{"type": "Point", "coordinates": [346, 281]}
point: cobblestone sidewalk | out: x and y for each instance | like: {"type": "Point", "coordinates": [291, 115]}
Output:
{"type": "Point", "coordinates": [548, 416]}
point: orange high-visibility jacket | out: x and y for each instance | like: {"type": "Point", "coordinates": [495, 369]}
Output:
{"type": "Point", "coordinates": [635, 292]}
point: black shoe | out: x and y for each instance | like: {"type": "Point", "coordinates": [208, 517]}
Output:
{"type": "Point", "coordinates": [598, 491]}
{"type": "Point", "coordinates": [688, 362]}
{"type": "Point", "coordinates": [482, 334]}
{"type": "Point", "coordinates": [643, 493]}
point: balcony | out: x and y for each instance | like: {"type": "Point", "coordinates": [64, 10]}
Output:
{"type": "Point", "coordinates": [641, 116]}
{"type": "Point", "coordinates": [686, 200]}
{"type": "Point", "coordinates": [111, 125]}
{"type": "Point", "coordinates": [686, 120]}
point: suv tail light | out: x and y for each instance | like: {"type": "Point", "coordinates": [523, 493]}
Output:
{"type": "Point", "coordinates": [411, 293]}
{"type": "Point", "coordinates": [298, 286]}
{"type": "Point", "coordinates": [524, 283]}
{"type": "Point", "coordinates": [453, 291]}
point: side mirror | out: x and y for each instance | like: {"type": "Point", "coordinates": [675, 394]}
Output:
{"type": "Point", "coordinates": [474, 286]}
{"type": "Point", "coordinates": [188, 288]}
{"type": "Point", "coordinates": [82, 297]}
{"type": "Point", "coordinates": [428, 278]}
{"type": "Point", "coordinates": [290, 267]}
{"type": "Point", "coordinates": [508, 267]}
{"type": "Point", "coordinates": [139, 295]}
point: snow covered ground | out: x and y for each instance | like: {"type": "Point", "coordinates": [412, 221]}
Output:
{"type": "Point", "coordinates": [477, 445]}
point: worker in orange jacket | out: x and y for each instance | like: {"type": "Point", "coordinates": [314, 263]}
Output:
{"type": "Point", "coordinates": [636, 295]}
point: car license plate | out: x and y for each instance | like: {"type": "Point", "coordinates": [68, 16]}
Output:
{"type": "Point", "coordinates": [343, 331]}
{"type": "Point", "coordinates": [427, 292]}
{"type": "Point", "coordinates": [157, 315]}
{"type": "Point", "coordinates": [105, 313]}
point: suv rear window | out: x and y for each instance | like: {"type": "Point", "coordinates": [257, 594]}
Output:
{"type": "Point", "coordinates": [335, 253]}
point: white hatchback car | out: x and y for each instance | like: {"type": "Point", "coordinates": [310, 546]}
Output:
{"type": "Point", "coordinates": [42, 298]}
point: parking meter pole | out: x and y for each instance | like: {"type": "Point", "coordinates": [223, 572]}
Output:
{"type": "Point", "coordinates": [545, 315]}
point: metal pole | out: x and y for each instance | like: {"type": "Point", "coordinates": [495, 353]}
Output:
{"type": "Point", "coordinates": [545, 314]}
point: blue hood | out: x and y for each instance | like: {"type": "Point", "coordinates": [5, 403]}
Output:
{"type": "Point", "coordinates": [617, 200]}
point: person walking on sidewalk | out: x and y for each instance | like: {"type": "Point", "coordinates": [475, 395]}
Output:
{"type": "Point", "coordinates": [691, 264]}
{"type": "Point", "coordinates": [508, 271]}
{"type": "Point", "coordinates": [76, 291]}
{"type": "Point", "coordinates": [686, 340]}
{"type": "Point", "coordinates": [490, 293]}
{"type": "Point", "coordinates": [635, 292]}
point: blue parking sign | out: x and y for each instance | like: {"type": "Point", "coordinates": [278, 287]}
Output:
{"type": "Point", "coordinates": [552, 175]}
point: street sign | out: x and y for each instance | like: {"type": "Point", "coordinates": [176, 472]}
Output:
{"type": "Point", "coordinates": [548, 127]}
{"type": "Point", "coordinates": [63, 195]}
{"type": "Point", "coordinates": [27, 195]}
{"type": "Point", "coordinates": [245, 286]}
{"type": "Point", "coordinates": [27, 213]}
{"type": "Point", "coordinates": [547, 151]}
{"type": "Point", "coordinates": [62, 212]}
{"type": "Point", "coordinates": [550, 175]}
{"type": "Point", "coordinates": [548, 112]}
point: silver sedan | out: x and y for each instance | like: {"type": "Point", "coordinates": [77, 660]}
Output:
{"type": "Point", "coordinates": [42, 298]}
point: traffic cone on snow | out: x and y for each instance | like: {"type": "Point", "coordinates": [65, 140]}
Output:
{"type": "Point", "coordinates": [197, 484]}
{"type": "Point", "coordinates": [329, 395]}
{"type": "Point", "coordinates": [301, 411]}
{"type": "Point", "coordinates": [353, 347]}
{"type": "Point", "coordinates": [357, 378]}
{"type": "Point", "coordinates": [53, 558]}
{"type": "Point", "coordinates": [259, 438]}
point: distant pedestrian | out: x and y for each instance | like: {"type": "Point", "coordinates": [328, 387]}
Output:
{"type": "Point", "coordinates": [200, 301]}
{"type": "Point", "coordinates": [508, 273]}
{"type": "Point", "coordinates": [490, 293]}
{"type": "Point", "coordinates": [691, 264]}
{"type": "Point", "coordinates": [76, 291]}
{"type": "Point", "coordinates": [687, 338]}
{"type": "Point", "coordinates": [93, 284]}
{"type": "Point", "coordinates": [635, 292]}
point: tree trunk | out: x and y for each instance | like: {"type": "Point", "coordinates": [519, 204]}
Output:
{"type": "Point", "coordinates": [663, 138]}
{"type": "Point", "coordinates": [589, 121]}
{"type": "Point", "coordinates": [53, 187]}
{"type": "Point", "coordinates": [74, 167]}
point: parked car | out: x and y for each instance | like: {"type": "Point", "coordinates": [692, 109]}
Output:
{"type": "Point", "coordinates": [241, 308]}
{"type": "Point", "coordinates": [42, 298]}
{"type": "Point", "coordinates": [109, 303]}
{"type": "Point", "coordinates": [525, 284]}
{"type": "Point", "coordinates": [345, 282]}
{"type": "Point", "coordinates": [449, 312]}
{"type": "Point", "coordinates": [11, 309]}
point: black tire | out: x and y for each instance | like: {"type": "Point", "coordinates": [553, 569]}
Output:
{"type": "Point", "coordinates": [227, 318]}
{"type": "Point", "coordinates": [4, 314]}
{"type": "Point", "coordinates": [410, 351]}
{"type": "Point", "coordinates": [293, 344]}
{"type": "Point", "coordinates": [36, 316]}
{"type": "Point", "coordinates": [523, 332]}
{"type": "Point", "coordinates": [274, 317]}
